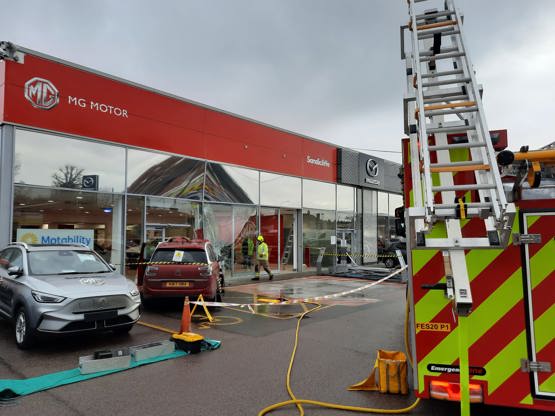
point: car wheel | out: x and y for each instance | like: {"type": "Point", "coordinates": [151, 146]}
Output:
{"type": "Point", "coordinates": [121, 330]}
{"type": "Point", "coordinates": [389, 263]}
{"type": "Point", "coordinates": [25, 336]}
{"type": "Point", "coordinates": [221, 284]}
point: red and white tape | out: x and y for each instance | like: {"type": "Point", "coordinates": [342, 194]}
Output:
{"type": "Point", "coordinates": [303, 300]}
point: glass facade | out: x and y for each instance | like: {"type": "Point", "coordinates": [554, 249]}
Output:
{"type": "Point", "coordinates": [115, 199]}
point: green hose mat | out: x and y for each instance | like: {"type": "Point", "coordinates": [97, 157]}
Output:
{"type": "Point", "coordinates": [10, 389]}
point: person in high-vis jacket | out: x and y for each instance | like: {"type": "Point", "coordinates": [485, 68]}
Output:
{"type": "Point", "coordinates": [262, 254]}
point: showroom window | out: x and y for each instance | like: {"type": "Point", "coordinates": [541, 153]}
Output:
{"type": "Point", "coordinates": [57, 216]}
{"type": "Point", "coordinates": [280, 190]}
{"type": "Point", "coordinates": [318, 195]}
{"type": "Point", "coordinates": [226, 183]}
{"type": "Point", "coordinates": [318, 229]}
{"type": "Point", "coordinates": [55, 161]}
{"type": "Point", "coordinates": [150, 173]}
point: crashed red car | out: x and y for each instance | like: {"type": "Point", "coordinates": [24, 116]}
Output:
{"type": "Point", "coordinates": [181, 267]}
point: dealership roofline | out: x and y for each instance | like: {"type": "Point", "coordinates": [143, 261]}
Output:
{"type": "Point", "coordinates": [12, 47]}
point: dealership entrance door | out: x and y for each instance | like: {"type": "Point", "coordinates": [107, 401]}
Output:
{"type": "Point", "coordinates": [279, 228]}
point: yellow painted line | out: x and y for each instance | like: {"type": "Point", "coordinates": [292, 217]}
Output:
{"type": "Point", "coordinates": [159, 328]}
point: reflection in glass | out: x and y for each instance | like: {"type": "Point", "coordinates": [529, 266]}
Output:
{"type": "Point", "coordinates": [279, 190]}
{"type": "Point", "coordinates": [369, 226]}
{"type": "Point", "coordinates": [318, 195]}
{"type": "Point", "coordinates": [288, 239]}
{"type": "Point", "coordinates": [318, 228]}
{"type": "Point", "coordinates": [345, 220]}
{"type": "Point", "coordinates": [218, 228]}
{"type": "Point", "coordinates": [231, 184]}
{"type": "Point", "coordinates": [57, 209]}
{"type": "Point", "coordinates": [269, 229]}
{"type": "Point", "coordinates": [50, 160]}
{"type": "Point", "coordinates": [244, 238]}
{"type": "Point", "coordinates": [150, 173]}
{"type": "Point", "coordinates": [345, 198]}
{"type": "Point", "coordinates": [133, 234]}
{"type": "Point", "coordinates": [169, 217]}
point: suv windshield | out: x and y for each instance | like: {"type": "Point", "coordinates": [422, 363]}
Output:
{"type": "Point", "coordinates": [179, 256]}
{"type": "Point", "coordinates": [65, 262]}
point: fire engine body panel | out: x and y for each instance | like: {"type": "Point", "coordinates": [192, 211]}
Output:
{"type": "Point", "coordinates": [511, 342]}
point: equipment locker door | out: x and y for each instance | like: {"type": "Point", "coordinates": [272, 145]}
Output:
{"type": "Point", "coordinates": [540, 285]}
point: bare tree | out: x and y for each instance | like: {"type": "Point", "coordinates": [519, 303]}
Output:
{"type": "Point", "coordinates": [68, 176]}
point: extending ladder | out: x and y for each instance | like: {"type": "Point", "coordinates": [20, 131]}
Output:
{"type": "Point", "coordinates": [444, 116]}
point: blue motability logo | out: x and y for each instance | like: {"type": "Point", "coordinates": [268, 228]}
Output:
{"type": "Point", "coordinates": [76, 239]}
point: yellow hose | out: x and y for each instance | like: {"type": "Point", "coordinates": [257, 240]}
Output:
{"type": "Point", "coordinates": [299, 402]}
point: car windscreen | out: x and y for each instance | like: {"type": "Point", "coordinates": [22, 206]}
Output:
{"type": "Point", "coordinates": [47, 262]}
{"type": "Point", "coordinates": [176, 255]}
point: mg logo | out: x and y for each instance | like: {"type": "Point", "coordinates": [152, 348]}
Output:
{"type": "Point", "coordinates": [372, 168]}
{"type": "Point", "coordinates": [41, 93]}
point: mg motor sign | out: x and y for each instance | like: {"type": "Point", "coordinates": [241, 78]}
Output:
{"type": "Point", "coordinates": [41, 93]}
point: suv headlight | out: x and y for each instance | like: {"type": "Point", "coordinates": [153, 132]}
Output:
{"type": "Point", "coordinates": [46, 297]}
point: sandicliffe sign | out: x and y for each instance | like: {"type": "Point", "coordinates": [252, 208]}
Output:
{"type": "Point", "coordinates": [52, 237]}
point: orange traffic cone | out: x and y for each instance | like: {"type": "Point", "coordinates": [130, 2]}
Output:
{"type": "Point", "coordinates": [185, 317]}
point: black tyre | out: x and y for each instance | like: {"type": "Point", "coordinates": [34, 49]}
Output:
{"type": "Point", "coordinates": [389, 263]}
{"type": "Point", "coordinates": [25, 335]}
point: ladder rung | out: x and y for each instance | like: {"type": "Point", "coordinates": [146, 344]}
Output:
{"type": "Point", "coordinates": [443, 74]}
{"type": "Point", "coordinates": [428, 110]}
{"type": "Point", "coordinates": [467, 145]}
{"type": "Point", "coordinates": [446, 82]}
{"type": "Point", "coordinates": [444, 50]}
{"type": "Point", "coordinates": [450, 105]}
{"type": "Point", "coordinates": [444, 98]}
{"type": "Point", "coordinates": [465, 187]}
{"type": "Point", "coordinates": [453, 129]}
{"type": "Point", "coordinates": [436, 25]}
{"type": "Point", "coordinates": [445, 31]}
{"type": "Point", "coordinates": [433, 15]}
{"type": "Point", "coordinates": [455, 111]}
{"type": "Point", "coordinates": [441, 56]}
{"type": "Point", "coordinates": [468, 205]}
{"type": "Point", "coordinates": [438, 169]}
{"type": "Point", "coordinates": [460, 163]}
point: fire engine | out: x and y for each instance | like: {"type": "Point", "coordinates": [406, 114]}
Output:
{"type": "Point", "coordinates": [480, 230]}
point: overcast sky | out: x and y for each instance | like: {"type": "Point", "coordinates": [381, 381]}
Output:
{"type": "Point", "coordinates": [329, 69]}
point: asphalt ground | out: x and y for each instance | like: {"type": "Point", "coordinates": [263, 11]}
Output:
{"type": "Point", "coordinates": [337, 346]}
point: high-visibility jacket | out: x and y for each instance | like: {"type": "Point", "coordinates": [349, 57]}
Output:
{"type": "Point", "coordinates": [262, 251]}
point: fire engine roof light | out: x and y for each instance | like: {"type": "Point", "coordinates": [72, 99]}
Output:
{"type": "Point", "coordinates": [446, 390]}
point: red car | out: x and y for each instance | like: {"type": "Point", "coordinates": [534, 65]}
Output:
{"type": "Point", "coordinates": [181, 267]}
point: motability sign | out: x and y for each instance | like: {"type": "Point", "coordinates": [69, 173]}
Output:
{"type": "Point", "coordinates": [52, 237]}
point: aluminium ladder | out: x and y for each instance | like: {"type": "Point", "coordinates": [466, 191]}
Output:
{"type": "Point", "coordinates": [444, 113]}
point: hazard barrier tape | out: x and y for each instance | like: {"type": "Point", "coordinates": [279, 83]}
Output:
{"type": "Point", "coordinates": [148, 263]}
{"type": "Point", "coordinates": [302, 300]}
{"type": "Point", "coordinates": [360, 255]}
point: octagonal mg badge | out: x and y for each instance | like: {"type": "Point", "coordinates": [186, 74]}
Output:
{"type": "Point", "coordinates": [41, 93]}
{"type": "Point", "coordinates": [92, 281]}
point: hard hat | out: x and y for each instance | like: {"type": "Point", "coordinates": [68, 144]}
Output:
{"type": "Point", "coordinates": [260, 238]}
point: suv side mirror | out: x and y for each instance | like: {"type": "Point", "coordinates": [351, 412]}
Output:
{"type": "Point", "coordinates": [15, 271]}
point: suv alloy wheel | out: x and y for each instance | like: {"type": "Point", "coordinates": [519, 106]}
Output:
{"type": "Point", "coordinates": [25, 336]}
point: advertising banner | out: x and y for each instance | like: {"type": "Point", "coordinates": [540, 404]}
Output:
{"type": "Point", "coordinates": [52, 237]}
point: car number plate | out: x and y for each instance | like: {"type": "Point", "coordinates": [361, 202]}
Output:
{"type": "Point", "coordinates": [176, 284]}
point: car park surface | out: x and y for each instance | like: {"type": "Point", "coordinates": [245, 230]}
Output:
{"type": "Point", "coordinates": [337, 348]}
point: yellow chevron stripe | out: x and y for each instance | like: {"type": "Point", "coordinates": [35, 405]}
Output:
{"type": "Point", "coordinates": [491, 310]}
{"type": "Point", "coordinates": [504, 364]}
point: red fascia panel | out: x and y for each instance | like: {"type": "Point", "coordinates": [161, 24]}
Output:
{"type": "Point", "coordinates": [158, 122]}
{"type": "Point", "coordinates": [2, 87]}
